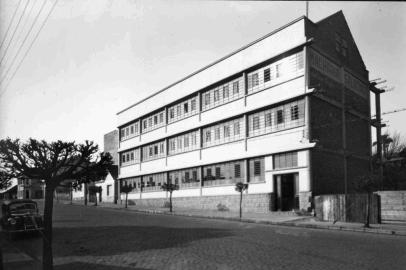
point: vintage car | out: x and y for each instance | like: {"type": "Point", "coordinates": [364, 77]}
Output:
{"type": "Point", "coordinates": [20, 216]}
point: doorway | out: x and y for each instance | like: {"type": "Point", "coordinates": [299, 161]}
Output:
{"type": "Point", "coordinates": [286, 188]}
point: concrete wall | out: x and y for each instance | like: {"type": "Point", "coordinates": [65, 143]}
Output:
{"type": "Point", "coordinates": [260, 203]}
{"type": "Point", "coordinates": [111, 144]}
{"type": "Point", "coordinates": [393, 206]}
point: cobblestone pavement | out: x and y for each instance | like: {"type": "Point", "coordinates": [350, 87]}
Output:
{"type": "Point", "coordinates": [101, 238]}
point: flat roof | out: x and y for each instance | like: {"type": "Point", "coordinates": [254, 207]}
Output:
{"type": "Point", "coordinates": [215, 62]}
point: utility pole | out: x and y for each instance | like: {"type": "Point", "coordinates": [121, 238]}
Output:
{"type": "Point", "coordinates": [377, 123]}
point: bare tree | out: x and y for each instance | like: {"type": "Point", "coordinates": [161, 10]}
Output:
{"type": "Point", "coordinates": [53, 162]}
{"type": "Point", "coordinates": [126, 189]}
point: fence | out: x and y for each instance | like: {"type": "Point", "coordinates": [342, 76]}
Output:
{"type": "Point", "coordinates": [393, 206]}
{"type": "Point", "coordinates": [350, 208]}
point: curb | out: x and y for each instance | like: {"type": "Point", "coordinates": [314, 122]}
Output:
{"type": "Point", "coordinates": [295, 223]}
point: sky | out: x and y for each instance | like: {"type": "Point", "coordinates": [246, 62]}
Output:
{"type": "Point", "coordinates": [95, 58]}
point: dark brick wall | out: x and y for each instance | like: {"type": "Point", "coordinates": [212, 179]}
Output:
{"type": "Point", "coordinates": [259, 203]}
{"type": "Point", "coordinates": [111, 144]}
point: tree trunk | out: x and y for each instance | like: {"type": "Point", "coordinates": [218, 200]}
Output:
{"type": "Point", "coordinates": [170, 201]}
{"type": "Point", "coordinates": [126, 199]}
{"type": "Point", "coordinates": [85, 192]}
{"type": "Point", "coordinates": [96, 199]}
{"type": "Point", "coordinates": [71, 194]}
{"type": "Point", "coordinates": [47, 259]}
{"type": "Point", "coordinates": [240, 204]}
{"type": "Point", "coordinates": [366, 225]}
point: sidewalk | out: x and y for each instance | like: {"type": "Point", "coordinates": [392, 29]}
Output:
{"type": "Point", "coordinates": [275, 218]}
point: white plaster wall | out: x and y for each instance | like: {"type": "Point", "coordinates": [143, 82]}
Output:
{"type": "Point", "coordinates": [153, 166]}
{"type": "Point", "coordinates": [219, 190]}
{"type": "Point", "coordinates": [276, 94]}
{"type": "Point", "coordinates": [289, 37]}
{"type": "Point", "coordinates": [265, 187]}
{"type": "Point", "coordinates": [191, 192]}
{"type": "Point", "coordinates": [156, 194]}
{"type": "Point", "coordinates": [283, 141]}
{"type": "Point", "coordinates": [129, 143]}
{"type": "Point", "coordinates": [182, 125]}
{"type": "Point", "coordinates": [131, 196]}
{"type": "Point", "coordinates": [224, 152]}
{"type": "Point", "coordinates": [108, 181]}
{"type": "Point", "coordinates": [183, 160]}
{"type": "Point", "coordinates": [223, 112]}
{"type": "Point", "coordinates": [130, 170]}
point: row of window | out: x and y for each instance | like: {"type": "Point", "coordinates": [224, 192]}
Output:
{"type": "Point", "coordinates": [285, 116]}
{"type": "Point", "coordinates": [259, 79]}
{"type": "Point", "coordinates": [285, 160]}
{"type": "Point", "coordinates": [224, 132]}
{"type": "Point", "coordinates": [184, 143]}
{"type": "Point", "coordinates": [275, 119]}
{"type": "Point", "coordinates": [183, 109]}
{"type": "Point", "coordinates": [341, 45]}
{"type": "Point", "coordinates": [274, 73]}
{"type": "Point", "coordinates": [218, 174]}
{"type": "Point", "coordinates": [154, 151]}
{"type": "Point", "coordinates": [129, 131]}
{"type": "Point", "coordinates": [130, 157]}
{"type": "Point", "coordinates": [222, 94]}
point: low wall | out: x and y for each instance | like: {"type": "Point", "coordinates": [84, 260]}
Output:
{"type": "Point", "coordinates": [351, 209]}
{"type": "Point", "coordinates": [259, 203]}
{"type": "Point", "coordinates": [393, 206]}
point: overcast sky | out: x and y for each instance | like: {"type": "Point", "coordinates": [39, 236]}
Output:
{"type": "Point", "coordinates": [94, 58]}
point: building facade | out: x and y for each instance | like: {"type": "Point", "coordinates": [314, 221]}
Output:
{"type": "Point", "coordinates": [288, 114]}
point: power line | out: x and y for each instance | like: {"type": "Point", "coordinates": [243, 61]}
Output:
{"type": "Point", "coordinates": [30, 46]}
{"type": "Point", "coordinates": [22, 44]}
{"type": "Point", "coordinates": [9, 26]}
{"type": "Point", "coordinates": [27, 18]}
{"type": "Point", "coordinates": [14, 32]}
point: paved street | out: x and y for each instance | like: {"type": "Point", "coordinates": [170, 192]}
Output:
{"type": "Point", "coordinates": [102, 238]}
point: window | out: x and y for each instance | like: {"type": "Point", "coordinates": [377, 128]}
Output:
{"type": "Point", "coordinates": [267, 75]}
{"type": "Point", "coordinates": [236, 128]}
{"type": "Point", "coordinates": [225, 91]}
{"type": "Point", "coordinates": [122, 133]}
{"type": "Point", "coordinates": [186, 143]}
{"type": "Point", "coordinates": [268, 119]}
{"type": "Point", "coordinates": [217, 134]}
{"type": "Point", "coordinates": [279, 116]}
{"type": "Point", "coordinates": [278, 70]}
{"type": "Point", "coordinates": [187, 176]}
{"type": "Point", "coordinates": [185, 107]}
{"type": "Point", "coordinates": [208, 136]}
{"type": "Point", "coordinates": [180, 142]}
{"type": "Point", "coordinates": [338, 42]}
{"type": "Point", "coordinates": [194, 175]}
{"type": "Point", "coordinates": [194, 141]}
{"type": "Point", "coordinates": [257, 168]}
{"type": "Point", "coordinates": [126, 132]}
{"type": "Point", "coordinates": [208, 172]}
{"type": "Point", "coordinates": [155, 119]}
{"type": "Point", "coordinates": [161, 117]}
{"type": "Point", "coordinates": [108, 190]}
{"type": "Point", "coordinates": [128, 156]}
{"type": "Point", "coordinates": [226, 131]}
{"type": "Point", "coordinates": [161, 146]}
{"type": "Point", "coordinates": [294, 112]}
{"type": "Point", "coordinates": [173, 145]}
{"type": "Point", "coordinates": [156, 150]}
{"type": "Point", "coordinates": [207, 99]}
{"type": "Point", "coordinates": [150, 151]}
{"type": "Point", "coordinates": [344, 49]}
{"type": "Point", "coordinates": [254, 80]}
{"type": "Point", "coordinates": [131, 129]}
{"type": "Point", "coordinates": [216, 95]}
{"type": "Point", "coordinates": [237, 170]}
{"type": "Point", "coordinates": [255, 123]}
{"type": "Point", "coordinates": [136, 127]}
{"type": "Point", "coordinates": [218, 172]}
{"type": "Point", "coordinates": [285, 160]}
{"type": "Point", "coordinates": [123, 158]}
{"type": "Point", "coordinates": [178, 110]}
{"type": "Point", "coordinates": [193, 105]}
{"type": "Point", "coordinates": [132, 155]}
{"type": "Point", "coordinates": [150, 122]}
{"type": "Point", "coordinates": [235, 87]}
{"type": "Point", "coordinates": [172, 113]}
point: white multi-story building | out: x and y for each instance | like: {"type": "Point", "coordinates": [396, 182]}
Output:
{"type": "Point", "coordinates": [249, 117]}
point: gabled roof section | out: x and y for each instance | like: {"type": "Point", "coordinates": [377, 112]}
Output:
{"type": "Point", "coordinates": [324, 33]}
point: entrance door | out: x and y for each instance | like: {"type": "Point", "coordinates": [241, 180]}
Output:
{"type": "Point", "coordinates": [286, 191]}
{"type": "Point", "coordinates": [27, 194]}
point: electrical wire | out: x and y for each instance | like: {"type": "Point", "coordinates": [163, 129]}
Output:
{"type": "Point", "coordinates": [29, 48]}
{"type": "Point", "coordinates": [9, 25]}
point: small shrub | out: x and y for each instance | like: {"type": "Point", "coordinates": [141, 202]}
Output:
{"type": "Point", "coordinates": [222, 207]}
{"type": "Point", "coordinates": [167, 204]}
